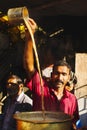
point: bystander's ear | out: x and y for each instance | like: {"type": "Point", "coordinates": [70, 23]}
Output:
{"type": "Point", "coordinates": [21, 86]}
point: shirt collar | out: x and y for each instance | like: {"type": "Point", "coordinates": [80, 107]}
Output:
{"type": "Point", "coordinates": [19, 97]}
{"type": "Point", "coordinates": [65, 93]}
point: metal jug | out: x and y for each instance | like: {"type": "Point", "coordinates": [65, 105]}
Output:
{"type": "Point", "coordinates": [17, 15]}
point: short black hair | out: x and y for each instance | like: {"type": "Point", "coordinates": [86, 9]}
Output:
{"type": "Point", "coordinates": [62, 63]}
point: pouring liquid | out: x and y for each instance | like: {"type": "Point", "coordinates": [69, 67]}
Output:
{"type": "Point", "coordinates": [26, 20]}
{"type": "Point", "coordinates": [20, 15]}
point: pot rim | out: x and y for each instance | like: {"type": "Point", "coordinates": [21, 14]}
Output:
{"type": "Point", "coordinates": [18, 117]}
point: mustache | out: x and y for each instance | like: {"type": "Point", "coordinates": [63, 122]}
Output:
{"type": "Point", "coordinates": [59, 81]}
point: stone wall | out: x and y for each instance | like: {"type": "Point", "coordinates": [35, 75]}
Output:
{"type": "Point", "coordinates": [81, 88]}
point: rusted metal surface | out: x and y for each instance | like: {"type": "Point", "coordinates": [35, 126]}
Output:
{"type": "Point", "coordinates": [35, 120]}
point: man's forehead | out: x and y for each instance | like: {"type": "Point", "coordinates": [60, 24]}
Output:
{"type": "Point", "coordinates": [12, 80]}
{"type": "Point", "coordinates": [61, 68]}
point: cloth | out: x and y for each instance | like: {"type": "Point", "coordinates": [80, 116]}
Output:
{"type": "Point", "coordinates": [68, 103]}
{"type": "Point", "coordinates": [23, 103]}
{"type": "Point", "coordinates": [47, 71]}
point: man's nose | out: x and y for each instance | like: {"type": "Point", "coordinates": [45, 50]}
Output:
{"type": "Point", "coordinates": [59, 76]}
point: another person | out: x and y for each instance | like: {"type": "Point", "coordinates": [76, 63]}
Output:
{"type": "Point", "coordinates": [16, 101]}
{"type": "Point", "coordinates": [56, 97]}
{"type": "Point", "coordinates": [70, 86]}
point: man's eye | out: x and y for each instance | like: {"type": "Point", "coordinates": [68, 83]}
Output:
{"type": "Point", "coordinates": [64, 74]}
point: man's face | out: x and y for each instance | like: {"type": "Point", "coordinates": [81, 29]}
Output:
{"type": "Point", "coordinates": [60, 76]}
{"type": "Point", "coordinates": [12, 87]}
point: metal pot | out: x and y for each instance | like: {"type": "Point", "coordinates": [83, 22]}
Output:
{"type": "Point", "coordinates": [39, 120]}
{"type": "Point", "coordinates": [17, 15]}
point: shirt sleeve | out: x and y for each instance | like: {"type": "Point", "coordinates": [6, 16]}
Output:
{"type": "Point", "coordinates": [34, 82]}
{"type": "Point", "coordinates": [76, 113]}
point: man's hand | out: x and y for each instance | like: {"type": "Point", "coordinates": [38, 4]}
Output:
{"type": "Point", "coordinates": [1, 104]}
{"type": "Point", "coordinates": [32, 24]}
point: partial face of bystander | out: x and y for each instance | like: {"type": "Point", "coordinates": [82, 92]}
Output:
{"type": "Point", "coordinates": [12, 87]}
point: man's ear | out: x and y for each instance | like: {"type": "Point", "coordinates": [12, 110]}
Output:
{"type": "Point", "coordinates": [68, 78]}
{"type": "Point", "coordinates": [21, 85]}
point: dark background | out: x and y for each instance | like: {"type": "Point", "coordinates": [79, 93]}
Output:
{"type": "Point", "coordinates": [51, 16]}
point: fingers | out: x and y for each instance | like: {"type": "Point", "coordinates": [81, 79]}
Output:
{"type": "Point", "coordinates": [32, 23]}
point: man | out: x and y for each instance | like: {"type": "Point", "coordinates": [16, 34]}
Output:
{"type": "Point", "coordinates": [16, 101]}
{"type": "Point", "coordinates": [56, 97]}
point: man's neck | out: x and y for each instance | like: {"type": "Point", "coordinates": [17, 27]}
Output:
{"type": "Point", "coordinates": [59, 93]}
